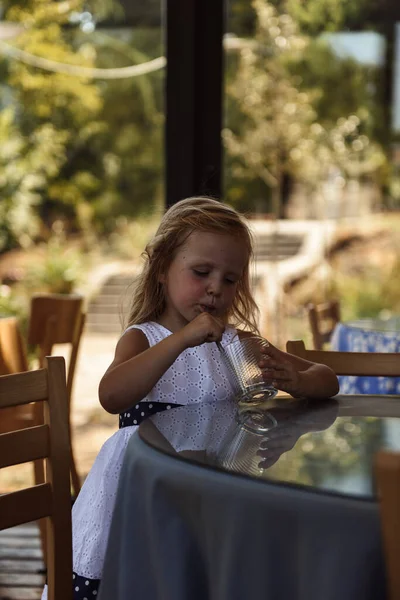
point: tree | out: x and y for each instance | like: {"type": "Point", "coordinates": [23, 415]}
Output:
{"type": "Point", "coordinates": [48, 115]}
{"type": "Point", "coordinates": [280, 132]}
{"type": "Point", "coordinates": [26, 168]}
{"type": "Point", "coordinates": [84, 150]}
{"type": "Point", "coordinates": [312, 16]}
{"type": "Point", "coordinates": [133, 112]}
{"type": "Point", "coordinates": [316, 16]}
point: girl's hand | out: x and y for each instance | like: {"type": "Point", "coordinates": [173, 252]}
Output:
{"type": "Point", "coordinates": [280, 372]}
{"type": "Point", "coordinates": [275, 444]}
{"type": "Point", "coordinates": [203, 328]}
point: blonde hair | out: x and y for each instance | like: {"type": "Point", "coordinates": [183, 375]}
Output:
{"type": "Point", "coordinates": [184, 217]}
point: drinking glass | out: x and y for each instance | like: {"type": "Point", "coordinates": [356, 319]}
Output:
{"type": "Point", "coordinates": [242, 357]}
{"type": "Point", "coordinates": [238, 450]}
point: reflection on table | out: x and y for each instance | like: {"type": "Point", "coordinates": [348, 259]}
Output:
{"type": "Point", "coordinates": [326, 444]}
{"type": "Point", "coordinates": [368, 335]}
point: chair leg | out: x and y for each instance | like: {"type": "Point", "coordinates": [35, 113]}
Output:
{"type": "Point", "coordinates": [38, 469]}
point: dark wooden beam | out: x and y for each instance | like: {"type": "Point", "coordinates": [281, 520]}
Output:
{"type": "Point", "coordinates": [194, 81]}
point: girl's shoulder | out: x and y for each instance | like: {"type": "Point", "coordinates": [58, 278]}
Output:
{"type": "Point", "coordinates": [154, 332]}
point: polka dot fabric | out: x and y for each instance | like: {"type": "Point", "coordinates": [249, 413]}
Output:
{"type": "Point", "coordinates": [83, 588]}
{"type": "Point", "coordinates": [141, 411]}
{"type": "Point", "coordinates": [198, 375]}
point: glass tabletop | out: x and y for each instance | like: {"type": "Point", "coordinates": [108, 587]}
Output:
{"type": "Point", "coordinates": [327, 444]}
{"type": "Point", "coordinates": [381, 325]}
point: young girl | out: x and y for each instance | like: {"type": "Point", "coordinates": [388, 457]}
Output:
{"type": "Point", "coordinates": [194, 290]}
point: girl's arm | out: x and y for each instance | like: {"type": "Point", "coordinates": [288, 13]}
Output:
{"type": "Point", "coordinates": [297, 376]}
{"type": "Point", "coordinates": [136, 367]}
{"type": "Point", "coordinates": [135, 370]}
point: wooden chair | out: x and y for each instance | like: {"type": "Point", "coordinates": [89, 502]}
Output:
{"type": "Point", "coordinates": [49, 441]}
{"type": "Point", "coordinates": [13, 360]}
{"type": "Point", "coordinates": [379, 364]}
{"type": "Point", "coordinates": [58, 319]}
{"type": "Point", "coordinates": [387, 476]}
{"type": "Point", "coordinates": [12, 347]}
{"type": "Point", "coordinates": [322, 319]}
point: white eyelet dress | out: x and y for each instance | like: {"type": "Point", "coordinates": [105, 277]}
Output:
{"type": "Point", "coordinates": [197, 375]}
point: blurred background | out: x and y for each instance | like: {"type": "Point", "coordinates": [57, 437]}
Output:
{"type": "Point", "coordinates": [308, 131]}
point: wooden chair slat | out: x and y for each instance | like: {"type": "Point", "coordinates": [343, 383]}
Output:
{"type": "Point", "coordinates": [56, 413]}
{"type": "Point", "coordinates": [379, 364]}
{"type": "Point", "coordinates": [12, 347]}
{"type": "Point", "coordinates": [33, 384]}
{"type": "Point", "coordinates": [24, 445]}
{"type": "Point", "coordinates": [325, 311]}
{"type": "Point", "coordinates": [13, 359]}
{"type": "Point", "coordinates": [74, 352]}
{"type": "Point", "coordinates": [25, 506]}
{"type": "Point", "coordinates": [323, 319]}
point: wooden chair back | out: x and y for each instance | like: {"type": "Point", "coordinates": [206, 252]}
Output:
{"type": "Point", "coordinates": [12, 347]}
{"type": "Point", "coordinates": [323, 319]}
{"type": "Point", "coordinates": [379, 364]}
{"type": "Point", "coordinates": [387, 477]}
{"type": "Point", "coordinates": [13, 360]}
{"type": "Point", "coordinates": [57, 319]}
{"type": "Point", "coordinates": [49, 441]}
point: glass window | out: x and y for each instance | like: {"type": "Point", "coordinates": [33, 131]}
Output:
{"type": "Point", "coordinates": [311, 135]}
{"type": "Point", "coordinates": [81, 115]}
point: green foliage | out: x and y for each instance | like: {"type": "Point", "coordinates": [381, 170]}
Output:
{"type": "Point", "coordinates": [346, 87]}
{"type": "Point", "coordinates": [75, 145]}
{"type": "Point", "coordinates": [315, 16]}
{"type": "Point", "coordinates": [57, 269]}
{"type": "Point", "coordinates": [11, 303]}
{"type": "Point", "coordinates": [275, 129]}
{"type": "Point", "coordinates": [394, 188]}
{"type": "Point", "coordinates": [26, 166]}
{"type": "Point", "coordinates": [133, 149]}
{"type": "Point", "coordinates": [275, 116]}
{"type": "Point", "coordinates": [312, 16]}
{"type": "Point", "coordinates": [129, 238]}
{"type": "Point", "coordinates": [48, 117]}
{"type": "Point", "coordinates": [68, 101]}
{"type": "Point", "coordinates": [370, 293]}
{"type": "Point", "coordinates": [362, 297]}
{"type": "Point", "coordinates": [342, 443]}
{"type": "Point", "coordinates": [105, 9]}
{"type": "Point", "coordinates": [241, 18]}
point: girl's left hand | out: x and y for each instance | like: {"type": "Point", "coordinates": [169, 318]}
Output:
{"type": "Point", "coordinates": [277, 442]}
{"type": "Point", "coordinates": [280, 372]}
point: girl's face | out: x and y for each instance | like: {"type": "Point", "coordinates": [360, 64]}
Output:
{"type": "Point", "coordinates": [203, 277]}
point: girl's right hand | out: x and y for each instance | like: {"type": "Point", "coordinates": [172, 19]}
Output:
{"type": "Point", "coordinates": [203, 328]}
